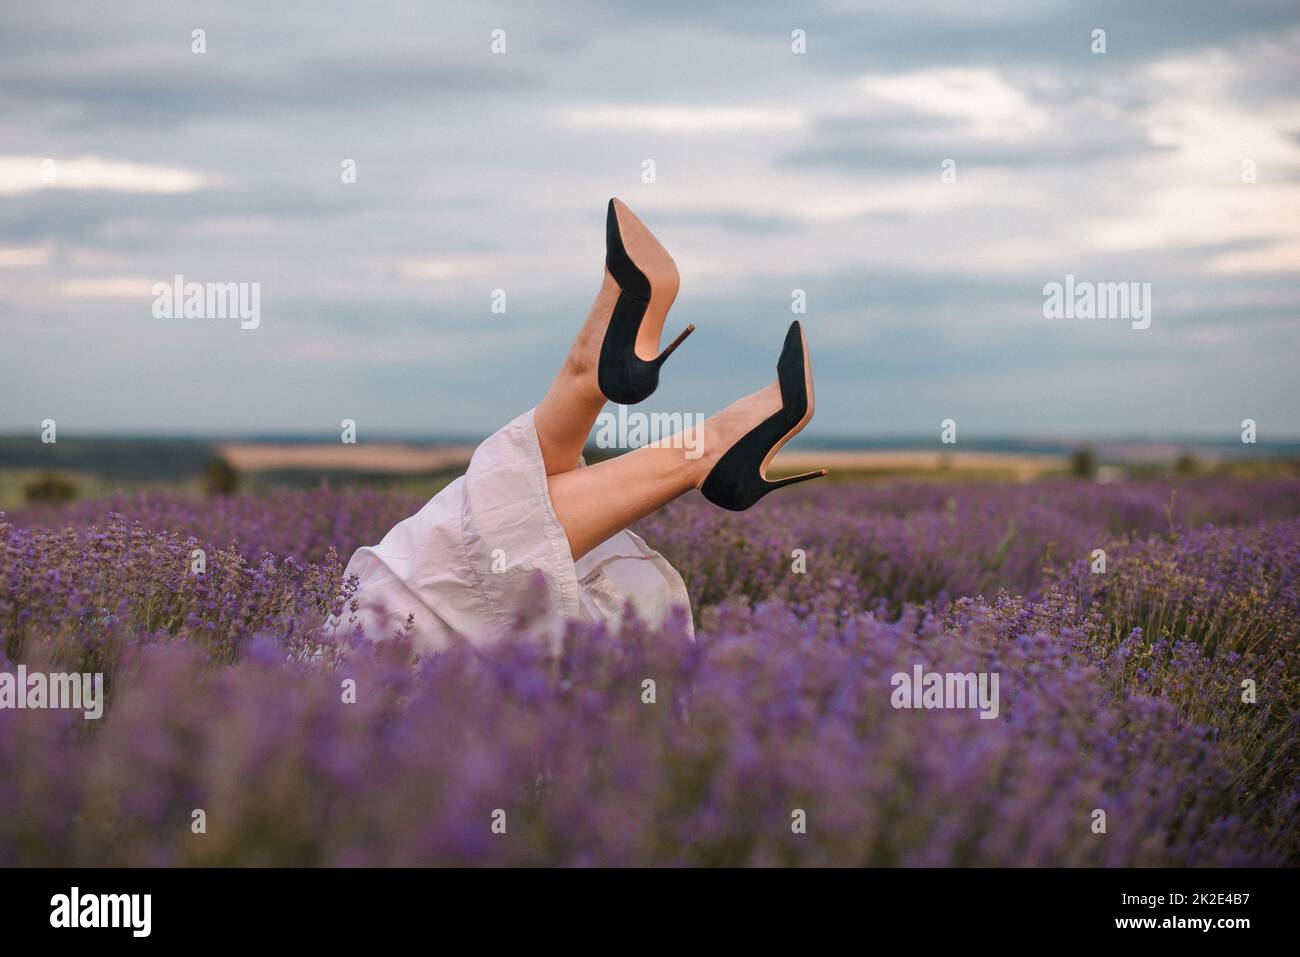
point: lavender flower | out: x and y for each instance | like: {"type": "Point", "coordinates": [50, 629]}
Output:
{"type": "Point", "coordinates": [1124, 692]}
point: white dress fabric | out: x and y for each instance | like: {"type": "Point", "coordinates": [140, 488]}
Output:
{"type": "Point", "coordinates": [467, 563]}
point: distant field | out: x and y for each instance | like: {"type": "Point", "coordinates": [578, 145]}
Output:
{"type": "Point", "coordinates": [377, 457]}
{"type": "Point", "coordinates": [912, 462]}
{"type": "Point", "coordinates": [99, 466]}
{"type": "Point", "coordinates": [409, 459]}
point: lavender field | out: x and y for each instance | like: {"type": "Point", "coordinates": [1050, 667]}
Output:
{"type": "Point", "coordinates": [1121, 691]}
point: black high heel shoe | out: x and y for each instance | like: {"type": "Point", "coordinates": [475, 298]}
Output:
{"type": "Point", "coordinates": [736, 482]}
{"type": "Point", "coordinates": [623, 376]}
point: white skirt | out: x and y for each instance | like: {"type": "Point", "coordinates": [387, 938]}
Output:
{"type": "Point", "coordinates": [473, 560]}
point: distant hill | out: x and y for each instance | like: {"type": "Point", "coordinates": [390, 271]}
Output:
{"type": "Point", "coordinates": [128, 459]}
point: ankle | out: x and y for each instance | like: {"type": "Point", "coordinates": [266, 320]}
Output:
{"type": "Point", "coordinates": [711, 442]}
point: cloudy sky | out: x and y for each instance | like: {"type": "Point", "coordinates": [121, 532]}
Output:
{"type": "Point", "coordinates": [774, 171]}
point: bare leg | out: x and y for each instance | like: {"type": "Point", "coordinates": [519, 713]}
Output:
{"type": "Point", "coordinates": [596, 502]}
{"type": "Point", "coordinates": [564, 417]}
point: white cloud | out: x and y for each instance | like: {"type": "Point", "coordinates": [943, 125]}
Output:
{"type": "Point", "coordinates": [1277, 258]}
{"type": "Point", "coordinates": [983, 98]}
{"type": "Point", "coordinates": [688, 119]}
{"type": "Point", "coordinates": [440, 270]}
{"type": "Point", "coordinates": [1195, 190]}
{"type": "Point", "coordinates": [26, 174]}
{"type": "Point", "coordinates": [111, 287]}
{"type": "Point", "coordinates": [18, 256]}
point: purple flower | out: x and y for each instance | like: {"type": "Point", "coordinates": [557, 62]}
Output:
{"type": "Point", "coordinates": [1125, 691]}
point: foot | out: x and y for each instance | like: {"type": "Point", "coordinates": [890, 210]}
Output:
{"type": "Point", "coordinates": [765, 422]}
{"type": "Point", "coordinates": [724, 429]}
{"type": "Point", "coordinates": [659, 269]}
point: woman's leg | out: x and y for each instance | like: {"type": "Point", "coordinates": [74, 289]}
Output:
{"type": "Point", "coordinates": [594, 503]}
{"type": "Point", "coordinates": [566, 414]}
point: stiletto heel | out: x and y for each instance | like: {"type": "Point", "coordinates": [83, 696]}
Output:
{"type": "Point", "coordinates": [681, 337]}
{"type": "Point", "coordinates": [623, 376]}
{"type": "Point", "coordinates": [737, 481]}
{"type": "Point", "coordinates": [793, 479]}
